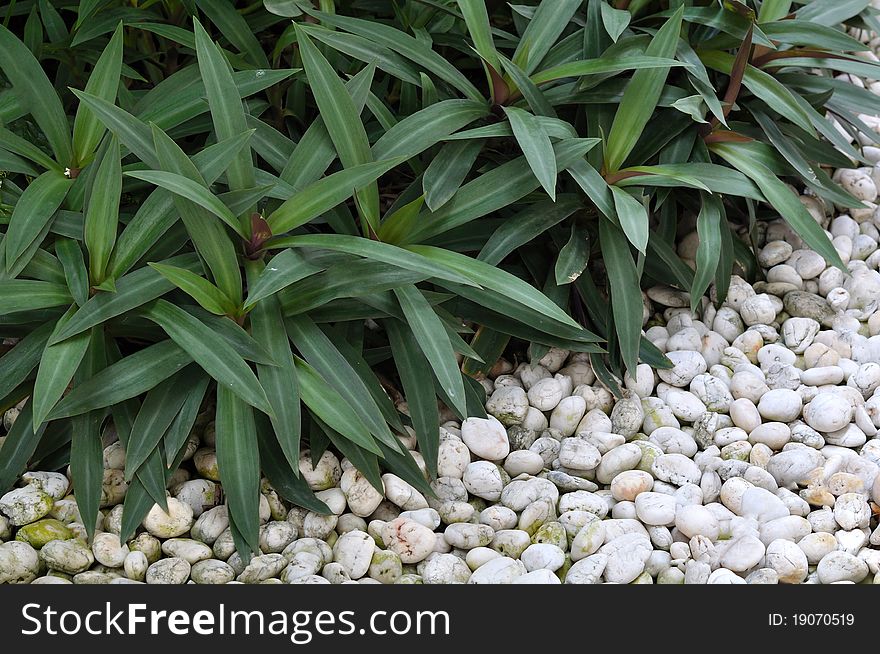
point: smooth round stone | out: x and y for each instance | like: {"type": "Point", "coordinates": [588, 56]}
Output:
{"type": "Point", "coordinates": [485, 438]}
{"type": "Point", "coordinates": [277, 535]}
{"type": "Point", "coordinates": [523, 461]}
{"type": "Point", "coordinates": [453, 457]}
{"type": "Point", "coordinates": [509, 404]}
{"type": "Point", "coordinates": [588, 539]}
{"type": "Point", "coordinates": [577, 453]}
{"type": "Point", "coordinates": [840, 566]}
{"type": "Point", "coordinates": [501, 570]}
{"type": "Point", "coordinates": [545, 394]}
{"type": "Point", "coordinates": [851, 511]}
{"type": "Point", "coordinates": [428, 517]}
{"type": "Point", "coordinates": [817, 545]}
{"type": "Point", "coordinates": [323, 476]}
{"type": "Point", "coordinates": [108, 551]}
{"type": "Point", "coordinates": [676, 469]}
{"type": "Point", "coordinates": [822, 376]}
{"type": "Point", "coordinates": [685, 366]}
{"type": "Point", "coordinates": [480, 556]}
{"type": "Point", "coordinates": [301, 565]}
{"type": "Point", "coordinates": [542, 556]}
{"type": "Point", "coordinates": [168, 571]}
{"type": "Point", "coordinates": [19, 563]}
{"type": "Point", "coordinates": [467, 536]}
{"type": "Point", "coordinates": [71, 556]}
{"type": "Point", "coordinates": [511, 542]}
{"type": "Point", "coordinates": [53, 484]}
{"type": "Point", "coordinates": [616, 460]}
{"type": "Point", "coordinates": [445, 569]}
{"type": "Point", "coordinates": [360, 494]}
{"type": "Point", "coordinates": [696, 520]}
{"type": "Point", "coordinates": [758, 310]}
{"type": "Point", "coordinates": [567, 415]}
{"type": "Point", "coordinates": [354, 551]}
{"type": "Point", "coordinates": [38, 533]}
{"type": "Point", "coordinates": [627, 556]}
{"type": "Point", "coordinates": [685, 405]}
{"type": "Point", "coordinates": [828, 412]}
{"type": "Point", "coordinates": [25, 505]}
{"type": "Point", "coordinates": [655, 508]}
{"type": "Point", "coordinates": [772, 434]}
{"type": "Point", "coordinates": [263, 568]}
{"type": "Point", "coordinates": [519, 493]}
{"type": "Point", "coordinates": [402, 494]}
{"type": "Point", "coordinates": [781, 404]}
{"type": "Point", "coordinates": [798, 333]}
{"type": "Point", "coordinates": [176, 522]}
{"type": "Point", "coordinates": [498, 517]}
{"type": "Point", "coordinates": [792, 465]}
{"type": "Point", "coordinates": [762, 505]}
{"type": "Point", "coordinates": [627, 485]}
{"type": "Point", "coordinates": [743, 554]}
{"type": "Point", "coordinates": [212, 571]}
{"type": "Point", "coordinates": [584, 501]}
{"type": "Point", "coordinates": [135, 566]}
{"type": "Point", "coordinates": [484, 479]}
{"type": "Point", "coordinates": [208, 527]}
{"type": "Point", "coordinates": [408, 539]}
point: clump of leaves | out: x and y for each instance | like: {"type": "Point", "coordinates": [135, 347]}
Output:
{"type": "Point", "coordinates": [299, 215]}
{"type": "Point", "coordinates": [170, 250]}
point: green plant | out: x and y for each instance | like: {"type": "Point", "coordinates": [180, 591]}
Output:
{"type": "Point", "coordinates": [726, 104]}
{"type": "Point", "coordinates": [142, 277]}
{"type": "Point", "coordinates": [304, 214]}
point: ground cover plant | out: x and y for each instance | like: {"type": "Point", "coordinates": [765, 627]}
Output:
{"type": "Point", "coordinates": [321, 220]}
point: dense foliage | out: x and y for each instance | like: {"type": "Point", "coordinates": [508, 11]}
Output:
{"type": "Point", "coordinates": [297, 216]}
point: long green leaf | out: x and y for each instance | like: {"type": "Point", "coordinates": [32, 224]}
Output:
{"type": "Point", "coordinates": [477, 20]}
{"type": "Point", "coordinates": [227, 111]}
{"type": "Point", "coordinates": [547, 24]}
{"type": "Point", "coordinates": [200, 289]}
{"type": "Point", "coordinates": [102, 213]}
{"type": "Point", "coordinates": [321, 196]}
{"type": "Point", "coordinates": [57, 368]}
{"type": "Point", "coordinates": [123, 380]}
{"type": "Point", "coordinates": [641, 96]}
{"type": "Point", "coordinates": [321, 353]}
{"type": "Point", "coordinates": [284, 269]}
{"type": "Point", "coordinates": [434, 343]}
{"type": "Point", "coordinates": [410, 47]}
{"type": "Point", "coordinates": [536, 147]}
{"type": "Point", "coordinates": [633, 218]}
{"type": "Point", "coordinates": [103, 83]}
{"type": "Point", "coordinates": [211, 352]}
{"type": "Point", "coordinates": [238, 460]}
{"type": "Point", "coordinates": [423, 129]}
{"type": "Point", "coordinates": [86, 448]}
{"type": "Point", "coordinates": [343, 124]}
{"type": "Point", "coordinates": [28, 295]}
{"type": "Point", "coordinates": [36, 93]}
{"type": "Point", "coordinates": [280, 381]}
{"type": "Point", "coordinates": [18, 447]}
{"type": "Point", "coordinates": [709, 228]}
{"type": "Point", "coordinates": [375, 250]}
{"type": "Point", "coordinates": [158, 411]}
{"type": "Point", "coordinates": [446, 172]}
{"type": "Point", "coordinates": [191, 190]}
{"type": "Point", "coordinates": [626, 296]}
{"type": "Point", "coordinates": [133, 290]}
{"type": "Point", "coordinates": [332, 408]}
{"type": "Point", "coordinates": [32, 213]}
